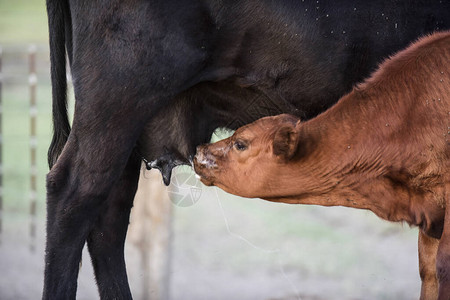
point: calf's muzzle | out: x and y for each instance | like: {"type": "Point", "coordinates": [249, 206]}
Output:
{"type": "Point", "coordinates": [204, 158]}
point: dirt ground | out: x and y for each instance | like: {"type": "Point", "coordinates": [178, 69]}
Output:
{"type": "Point", "coordinates": [232, 248]}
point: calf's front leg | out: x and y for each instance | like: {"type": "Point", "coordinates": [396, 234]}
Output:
{"type": "Point", "coordinates": [428, 248]}
{"type": "Point", "coordinates": [443, 257]}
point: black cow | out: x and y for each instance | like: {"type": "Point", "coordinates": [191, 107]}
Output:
{"type": "Point", "coordinates": [153, 79]}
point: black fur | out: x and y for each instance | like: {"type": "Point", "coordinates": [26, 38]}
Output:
{"type": "Point", "coordinates": [157, 77]}
{"type": "Point", "coordinates": [57, 32]}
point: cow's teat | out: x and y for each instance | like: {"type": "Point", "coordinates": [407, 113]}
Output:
{"type": "Point", "coordinates": [165, 163]}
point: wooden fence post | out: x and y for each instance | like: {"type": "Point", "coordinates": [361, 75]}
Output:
{"type": "Point", "coordinates": [150, 231]}
{"type": "Point", "coordinates": [1, 148]}
{"type": "Point", "coordinates": [32, 79]}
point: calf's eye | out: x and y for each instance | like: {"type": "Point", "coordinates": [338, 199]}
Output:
{"type": "Point", "coordinates": [240, 146]}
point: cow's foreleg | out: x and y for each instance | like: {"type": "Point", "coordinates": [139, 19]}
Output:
{"type": "Point", "coordinates": [428, 248]}
{"type": "Point", "coordinates": [106, 240]}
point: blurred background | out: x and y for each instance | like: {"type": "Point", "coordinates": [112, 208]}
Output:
{"type": "Point", "coordinates": [186, 241]}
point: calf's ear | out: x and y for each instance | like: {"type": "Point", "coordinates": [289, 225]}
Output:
{"type": "Point", "coordinates": [285, 142]}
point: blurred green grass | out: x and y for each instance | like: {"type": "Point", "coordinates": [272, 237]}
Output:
{"type": "Point", "coordinates": [16, 142]}
{"type": "Point", "coordinates": [23, 21]}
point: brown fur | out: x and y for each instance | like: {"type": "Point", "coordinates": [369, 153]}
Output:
{"type": "Point", "coordinates": [383, 147]}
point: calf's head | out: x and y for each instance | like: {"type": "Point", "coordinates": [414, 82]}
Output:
{"type": "Point", "coordinates": [246, 163]}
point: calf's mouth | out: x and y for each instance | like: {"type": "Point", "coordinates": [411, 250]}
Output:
{"type": "Point", "coordinates": [204, 159]}
{"type": "Point", "coordinates": [204, 165]}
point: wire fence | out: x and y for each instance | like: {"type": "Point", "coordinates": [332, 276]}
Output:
{"type": "Point", "coordinates": [19, 94]}
{"type": "Point", "coordinates": [32, 80]}
{"type": "Point", "coordinates": [24, 136]}
{"type": "Point", "coordinates": [1, 147]}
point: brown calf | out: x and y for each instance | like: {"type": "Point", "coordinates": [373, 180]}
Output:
{"type": "Point", "coordinates": [383, 147]}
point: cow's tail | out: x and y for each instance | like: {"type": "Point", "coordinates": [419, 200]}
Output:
{"type": "Point", "coordinates": [61, 128]}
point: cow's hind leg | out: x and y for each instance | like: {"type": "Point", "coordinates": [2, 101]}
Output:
{"type": "Point", "coordinates": [428, 247]}
{"type": "Point", "coordinates": [78, 186]}
{"type": "Point", "coordinates": [106, 240]}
